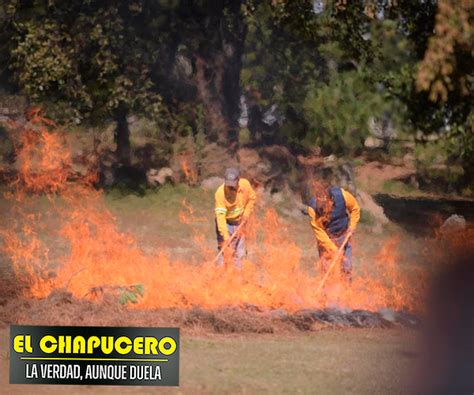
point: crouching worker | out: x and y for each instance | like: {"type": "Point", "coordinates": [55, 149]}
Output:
{"type": "Point", "coordinates": [334, 212]}
{"type": "Point", "coordinates": [235, 200]}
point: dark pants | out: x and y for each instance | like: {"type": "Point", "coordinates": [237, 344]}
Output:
{"type": "Point", "coordinates": [237, 246]}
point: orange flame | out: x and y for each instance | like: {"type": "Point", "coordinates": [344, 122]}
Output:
{"type": "Point", "coordinates": [91, 253]}
{"type": "Point", "coordinates": [190, 172]}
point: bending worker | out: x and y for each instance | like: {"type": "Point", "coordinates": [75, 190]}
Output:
{"type": "Point", "coordinates": [333, 212]}
{"type": "Point", "coordinates": [235, 200]}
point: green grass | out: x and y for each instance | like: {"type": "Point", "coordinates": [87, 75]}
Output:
{"type": "Point", "coordinates": [398, 188]}
{"type": "Point", "coordinates": [168, 197]}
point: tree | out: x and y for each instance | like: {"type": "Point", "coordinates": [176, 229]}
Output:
{"type": "Point", "coordinates": [88, 58]}
{"type": "Point", "coordinates": [446, 75]}
{"type": "Point", "coordinates": [202, 55]}
{"type": "Point", "coordinates": [97, 59]}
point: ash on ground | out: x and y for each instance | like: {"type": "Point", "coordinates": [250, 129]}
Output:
{"type": "Point", "coordinates": [60, 308]}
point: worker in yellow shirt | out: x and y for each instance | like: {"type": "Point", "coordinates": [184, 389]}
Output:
{"type": "Point", "coordinates": [333, 212]}
{"type": "Point", "coordinates": [235, 200]}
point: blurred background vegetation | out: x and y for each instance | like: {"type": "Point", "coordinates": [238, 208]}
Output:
{"type": "Point", "coordinates": [328, 77]}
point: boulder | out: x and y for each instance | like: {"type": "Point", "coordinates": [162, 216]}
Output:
{"type": "Point", "coordinates": [157, 177]}
{"type": "Point", "coordinates": [373, 142]}
{"type": "Point", "coordinates": [454, 223]}
{"type": "Point", "coordinates": [368, 204]}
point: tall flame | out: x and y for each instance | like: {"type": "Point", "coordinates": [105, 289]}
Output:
{"type": "Point", "coordinates": [98, 256]}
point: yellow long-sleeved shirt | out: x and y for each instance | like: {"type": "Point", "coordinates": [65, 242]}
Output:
{"type": "Point", "coordinates": [322, 237]}
{"type": "Point", "coordinates": [235, 211]}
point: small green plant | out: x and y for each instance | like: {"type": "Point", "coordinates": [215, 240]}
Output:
{"type": "Point", "coordinates": [244, 136]}
{"type": "Point", "coordinates": [131, 294]}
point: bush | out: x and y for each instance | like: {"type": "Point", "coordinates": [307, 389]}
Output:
{"type": "Point", "coordinates": [436, 168]}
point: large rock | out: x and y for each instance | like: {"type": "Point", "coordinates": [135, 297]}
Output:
{"type": "Point", "coordinates": [159, 177]}
{"type": "Point", "coordinates": [373, 142]}
{"type": "Point", "coordinates": [454, 223]}
{"type": "Point", "coordinates": [368, 204]}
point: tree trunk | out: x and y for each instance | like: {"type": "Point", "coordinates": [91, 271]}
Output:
{"type": "Point", "coordinates": [218, 68]}
{"type": "Point", "coordinates": [233, 46]}
{"type": "Point", "coordinates": [122, 135]}
{"type": "Point", "coordinates": [208, 92]}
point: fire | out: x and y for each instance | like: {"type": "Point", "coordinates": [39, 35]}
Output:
{"type": "Point", "coordinates": [88, 253]}
{"type": "Point", "coordinates": [190, 172]}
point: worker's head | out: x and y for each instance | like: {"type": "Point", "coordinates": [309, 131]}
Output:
{"type": "Point", "coordinates": [320, 192]}
{"type": "Point", "coordinates": [231, 180]}
{"type": "Point", "coordinates": [319, 188]}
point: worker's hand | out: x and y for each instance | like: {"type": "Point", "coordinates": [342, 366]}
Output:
{"type": "Point", "coordinates": [333, 249]}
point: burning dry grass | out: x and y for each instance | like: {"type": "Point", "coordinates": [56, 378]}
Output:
{"type": "Point", "coordinates": [100, 262]}
{"type": "Point", "coordinates": [63, 309]}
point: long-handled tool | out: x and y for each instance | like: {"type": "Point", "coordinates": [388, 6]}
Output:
{"type": "Point", "coordinates": [335, 259]}
{"type": "Point", "coordinates": [228, 241]}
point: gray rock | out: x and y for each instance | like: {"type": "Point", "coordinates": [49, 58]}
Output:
{"type": "Point", "coordinates": [454, 223]}
{"type": "Point", "coordinates": [373, 142]}
{"type": "Point", "coordinates": [388, 314]}
{"type": "Point", "coordinates": [382, 128]}
{"type": "Point", "coordinates": [159, 177]}
{"type": "Point", "coordinates": [367, 203]}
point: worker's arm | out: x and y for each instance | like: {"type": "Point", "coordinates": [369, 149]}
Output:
{"type": "Point", "coordinates": [322, 237]}
{"type": "Point", "coordinates": [252, 197]}
{"type": "Point", "coordinates": [221, 211]}
{"type": "Point", "coordinates": [353, 208]}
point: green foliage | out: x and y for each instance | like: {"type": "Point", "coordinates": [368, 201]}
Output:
{"type": "Point", "coordinates": [200, 130]}
{"type": "Point", "coordinates": [131, 294]}
{"type": "Point", "coordinates": [338, 113]}
{"type": "Point", "coordinates": [88, 59]}
{"type": "Point", "coordinates": [278, 60]}
{"type": "Point", "coordinates": [244, 136]}
{"type": "Point", "coordinates": [398, 188]}
{"type": "Point", "coordinates": [325, 72]}
{"type": "Point", "coordinates": [442, 163]}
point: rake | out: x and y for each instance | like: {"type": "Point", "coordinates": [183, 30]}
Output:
{"type": "Point", "coordinates": [227, 243]}
{"type": "Point", "coordinates": [333, 262]}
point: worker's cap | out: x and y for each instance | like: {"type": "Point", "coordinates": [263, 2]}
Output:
{"type": "Point", "coordinates": [231, 177]}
